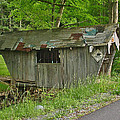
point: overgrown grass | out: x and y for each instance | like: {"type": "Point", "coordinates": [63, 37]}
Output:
{"type": "Point", "coordinates": [3, 72]}
{"type": "Point", "coordinates": [66, 100]}
{"type": "Point", "coordinates": [116, 64]}
{"type": "Point", "coordinates": [72, 97]}
{"type": "Point", "coordinates": [3, 87]}
{"type": "Point", "coordinates": [94, 90]}
{"type": "Point", "coordinates": [3, 68]}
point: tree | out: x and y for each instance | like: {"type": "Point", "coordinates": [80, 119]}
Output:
{"type": "Point", "coordinates": [113, 11]}
{"type": "Point", "coordinates": [4, 13]}
{"type": "Point", "coordinates": [42, 14]}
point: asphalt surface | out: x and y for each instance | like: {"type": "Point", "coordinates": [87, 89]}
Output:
{"type": "Point", "coordinates": [109, 112]}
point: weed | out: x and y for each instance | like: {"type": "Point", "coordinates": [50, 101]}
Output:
{"type": "Point", "coordinates": [3, 87]}
{"type": "Point", "coordinates": [94, 91]}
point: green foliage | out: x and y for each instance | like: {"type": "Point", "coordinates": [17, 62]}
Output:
{"type": "Point", "coordinates": [95, 90]}
{"type": "Point", "coordinates": [3, 68]}
{"type": "Point", "coordinates": [3, 87]}
{"type": "Point", "coordinates": [27, 14]}
{"type": "Point", "coordinates": [21, 110]}
{"type": "Point", "coordinates": [72, 97]}
{"type": "Point", "coordinates": [116, 64]}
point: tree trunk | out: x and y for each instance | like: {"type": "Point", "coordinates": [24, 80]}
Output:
{"type": "Point", "coordinates": [110, 12]}
{"type": "Point", "coordinates": [20, 23]}
{"type": "Point", "coordinates": [10, 22]}
{"type": "Point", "coordinates": [1, 21]}
{"type": "Point", "coordinates": [53, 10]}
{"type": "Point", "coordinates": [60, 14]}
{"type": "Point", "coordinates": [115, 11]}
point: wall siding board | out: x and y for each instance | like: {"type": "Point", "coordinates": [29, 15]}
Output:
{"type": "Point", "coordinates": [15, 66]}
{"type": "Point", "coordinates": [62, 67]}
{"type": "Point", "coordinates": [75, 64]}
{"type": "Point", "coordinates": [78, 67]}
{"type": "Point", "coordinates": [29, 64]}
{"type": "Point", "coordinates": [18, 64]}
{"type": "Point", "coordinates": [26, 68]}
{"type": "Point", "coordinates": [49, 77]}
{"type": "Point", "coordinates": [87, 62]}
{"type": "Point", "coordinates": [23, 68]}
{"type": "Point", "coordinates": [33, 63]}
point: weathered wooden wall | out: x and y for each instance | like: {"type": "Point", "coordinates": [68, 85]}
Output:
{"type": "Point", "coordinates": [75, 64]}
{"type": "Point", "coordinates": [78, 63]}
{"type": "Point", "coordinates": [21, 65]}
{"type": "Point", "coordinates": [49, 75]}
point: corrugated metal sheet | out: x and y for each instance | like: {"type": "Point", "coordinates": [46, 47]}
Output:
{"type": "Point", "coordinates": [57, 38]}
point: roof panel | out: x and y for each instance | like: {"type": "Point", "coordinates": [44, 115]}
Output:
{"type": "Point", "coordinates": [58, 38]}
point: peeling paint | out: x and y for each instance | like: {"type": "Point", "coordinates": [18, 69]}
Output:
{"type": "Point", "coordinates": [43, 46]}
{"type": "Point", "coordinates": [20, 47]}
{"type": "Point", "coordinates": [76, 36]}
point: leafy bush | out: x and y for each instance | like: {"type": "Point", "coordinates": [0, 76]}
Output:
{"type": "Point", "coordinates": [116, 64]}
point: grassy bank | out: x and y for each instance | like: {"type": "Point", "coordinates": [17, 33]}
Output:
{"type": "Point", "coordinates": [3, 87]}
{"type": "Point", "coordinates": [3, 68]}
{"type": "Point", "coordinates": [97, 90]}
{"type": "Point", "coordinates": [3, 72]}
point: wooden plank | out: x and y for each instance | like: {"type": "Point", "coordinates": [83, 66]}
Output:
{"type": "Point", "coordinates": [68, 68]}
{"type": "Point", "coordinates": [62, 67]}
{"type": "Point", "coordinates": [16, 64]}
{"type": "Point", "coordinates": [81, 63]}
{"type": "Point", "coordinates": [66, 65]}
{"type": "Point", "coordinates": [71, 66]}
{"type": "Point", "coordinates": [26, 66]}
{"type": "Point", "coordinates": [75, 54]}
{"type": "Point", "coordinates": [33, 62]}
{"type": "Point", "coordinates": [49, 74]}
{"type": "Point", "coordinates": [23, 66]}
{"type": "Point", "coordinates": [45, 76]}
{"type": "Point", "coordinates": [79, 67]}
{"type": "Point", "coordinates": [40, 75]}
{"type": "Point", "coordinates": [86, 62]}
{"type": "Point", "coordinates": [59, 76]}
{"type": "Point", "coordinates": [13, 59]}
{"type": "Point", "coordinates": [20, 65]}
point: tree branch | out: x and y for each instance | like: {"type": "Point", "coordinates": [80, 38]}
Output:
{"type": "Point", "coordinates": [55, 3]}
{"type": "Point", "coordinates": [74, 24]}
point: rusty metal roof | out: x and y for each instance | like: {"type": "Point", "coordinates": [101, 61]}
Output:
{"type": "Point", "coordinates": [57, 38]}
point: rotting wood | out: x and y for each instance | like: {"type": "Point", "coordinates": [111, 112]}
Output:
{"type": "Point", "coordinates": [48, 75]}
{"type": "Point", "coordinates": [76, 62]}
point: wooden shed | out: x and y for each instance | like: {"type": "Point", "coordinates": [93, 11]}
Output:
{"type": "Point", "coordinates": [58, 57]}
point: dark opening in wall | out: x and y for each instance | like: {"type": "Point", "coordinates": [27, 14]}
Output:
{"type": "Point", "coordinates": [48, 56]}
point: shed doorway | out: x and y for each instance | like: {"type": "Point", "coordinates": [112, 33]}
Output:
{"type": "Point", "coordinates": [48, 68]}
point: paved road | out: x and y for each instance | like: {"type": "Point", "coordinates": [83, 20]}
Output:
{"type": "Point", "coordinates": [110, 112]}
